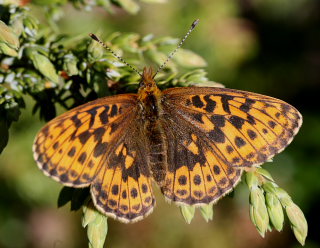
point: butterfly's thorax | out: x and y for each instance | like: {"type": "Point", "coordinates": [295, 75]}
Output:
{"type": "Point", "coordinates": [149, 101]}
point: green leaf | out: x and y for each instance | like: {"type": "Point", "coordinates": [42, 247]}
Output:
{"type": "Point", "coordinates": [129, 5]}
{"type": "Point", "coordinates": [43, 64]}
{"type": "Point", "coordinates": [189, 59]}
{"type": "Point", "coordinates": [5, 49]}
{"type": "Point", "coordinates": [8, 36]}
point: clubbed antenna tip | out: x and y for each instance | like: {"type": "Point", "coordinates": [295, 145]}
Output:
{"type": "Point", "coordinates": [94, 37]}
{"type": "Point", "coordinates": [193, 25]}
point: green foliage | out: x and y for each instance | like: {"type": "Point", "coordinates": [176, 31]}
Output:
{"type": "Point", "coordinates": [54, 68]}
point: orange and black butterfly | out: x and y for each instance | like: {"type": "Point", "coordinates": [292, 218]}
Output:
{"type": "Point", "coordinates": [193, 142]}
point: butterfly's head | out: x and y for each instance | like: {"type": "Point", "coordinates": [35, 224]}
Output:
{"type": "Point", "coordinates": [147, 84]}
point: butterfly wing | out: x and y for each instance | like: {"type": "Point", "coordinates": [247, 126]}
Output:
{"type": "Point", "coordinates": [98, 144]}
{"type": "Point", "coordinates": [221, 131]}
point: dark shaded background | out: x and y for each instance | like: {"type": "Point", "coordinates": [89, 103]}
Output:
{"type": "Point", "coordinates": [264, 46]}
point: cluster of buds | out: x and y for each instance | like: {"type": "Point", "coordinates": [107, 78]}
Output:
{"type": "Point", "coordinates": [267, 201]}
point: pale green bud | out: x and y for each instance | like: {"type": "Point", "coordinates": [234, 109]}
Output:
{"type": "Point", "coordinates": [275, 211]}
{"type": "Point", "coordinates": [270, 187]}
{"type": "Point", "coordinates": [265, 174]}
{"type": "Point", "coordinates": [187, 213]}
{"type": "Point", "coordinates": [207, 212]}
{"type": "Point", "coordinates": [258, 210]}
{"type": "Point", "coordinates": [251, 180]}
{"type": "Point", "coordinates": [298, 222]}
{"type": "Point", "coordinates": [283, 196]}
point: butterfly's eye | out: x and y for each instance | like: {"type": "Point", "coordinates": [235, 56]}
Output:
{"type": "Point", "coordinates": [141, 84]}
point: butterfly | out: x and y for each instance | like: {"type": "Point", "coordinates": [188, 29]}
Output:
{"type": "Point", "coordinates": [193, 142]}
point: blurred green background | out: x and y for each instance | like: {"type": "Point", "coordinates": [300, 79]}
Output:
{"type": "Point", "coordinates": [270, 47]}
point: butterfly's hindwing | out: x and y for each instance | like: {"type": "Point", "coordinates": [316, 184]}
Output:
{"type": "Point", "coordinates": [123, 189]}
{"type": "Point", "coordinates": [195, 174]}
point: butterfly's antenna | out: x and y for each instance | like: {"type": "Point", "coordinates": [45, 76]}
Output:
{"type": "Point", "coordinates": [193, 25]}
{"type": "Point", "coordinates": [93, 36]}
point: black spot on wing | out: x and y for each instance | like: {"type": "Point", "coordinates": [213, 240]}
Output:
{"type": "Point", "coordinates": [239, 142]}
{"type": "Point", "coordinates": [247, 105]}
{"type": "Point", "coordinates": [92, 113]}
{"type": "Point", "coordinates": [236, 121]}
{"type": "Point", "coordinates": [218, 120]}
{"type": "Point", "coordinates": [114, 110]}
{"type": "Point", "coordinates": [104, 115]}
{"type": "Point", "coordinates": [211, 105]}
{"type": "Point", "coordinates": [98, 133]}
{"type": "Point", "coordinates": [82, 157]}
{"type": "Point", "coordinates": [72, 151]}
{"type": "Point", "coordinates": [225, 102]}
{"type": "Point", "coordinates": [76, 121]}
{"type": "Point", "coordinates": [217, 135]}
{"type": "Point", "coordinates": [84, 136]}
{"type": "Point", "coordinates": [196, 101]}
{"type": "Point", "coordinates": [100, 149]}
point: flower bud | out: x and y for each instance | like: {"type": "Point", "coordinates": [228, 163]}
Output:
{"type": "Point", "coordinates": [97, 226]}
{"type": "Point", "coordinates": [275, 211]}
{"type": "Point", "coordinates": [207, 212]}
{"type": "Point", "coordinates": [187, 213]}
{"type": "Point", "coordinates": [298, 222]}
{"type": "Point", "coordinates": [251, 180]}
{"type": "Point", "coordinates": [258, 210]}
{"type": "Point", "coordinates": [265, 174]}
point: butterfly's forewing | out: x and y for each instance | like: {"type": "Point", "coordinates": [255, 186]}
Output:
{"type": "Point", "coordinates": [221, 131]}
{"type": "Point", "coordinates": [94, 144]}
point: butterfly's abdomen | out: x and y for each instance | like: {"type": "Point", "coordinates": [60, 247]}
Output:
{"type": "Point", "coordinates": [151, 111]}
{"type": "Point", "coordinates": [157, 154]}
